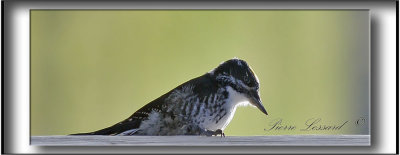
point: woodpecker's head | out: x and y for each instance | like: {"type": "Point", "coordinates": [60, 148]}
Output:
{"type": "Point", "coordinates": [237, 74]}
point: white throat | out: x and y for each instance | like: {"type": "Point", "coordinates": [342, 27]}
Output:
{"type": "Point", "coordinates": [234, 100]}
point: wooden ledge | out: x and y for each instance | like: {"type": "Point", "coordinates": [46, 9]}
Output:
{"type": "Point", "coordinates": [282, 140]}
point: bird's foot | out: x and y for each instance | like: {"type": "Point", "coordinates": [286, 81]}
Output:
{"type": "Point", "coordinates": [219, 132]}
{"type": "Point", "coordinates": [214, 133]}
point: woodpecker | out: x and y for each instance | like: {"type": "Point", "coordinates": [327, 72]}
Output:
{"type": "Point", "coordinates": [202, 106]}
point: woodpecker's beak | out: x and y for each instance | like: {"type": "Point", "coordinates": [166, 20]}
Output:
{"type": "Point", "coordinates": [256, 101]}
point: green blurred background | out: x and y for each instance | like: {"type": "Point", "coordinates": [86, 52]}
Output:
{"type": "Point", "coordinates": [92, 69]}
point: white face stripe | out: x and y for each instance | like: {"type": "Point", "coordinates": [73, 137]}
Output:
{"type": "Point", "coordinates": [239, 82]}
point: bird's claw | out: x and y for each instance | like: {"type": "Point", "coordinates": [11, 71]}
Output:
{"type": "Point", "coordinates": [219, 132]}
{"type": "Point", "coordinates": [215, 133]}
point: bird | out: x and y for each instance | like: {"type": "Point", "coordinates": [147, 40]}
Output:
{"type": "Point", "coordinates": [204, 105]}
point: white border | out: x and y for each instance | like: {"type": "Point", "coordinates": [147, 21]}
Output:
{"type": "Point", "coordinates": [382, 12]}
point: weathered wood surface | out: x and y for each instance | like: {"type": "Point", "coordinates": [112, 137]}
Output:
{"type": "Point", "coordinates": [284, 140]}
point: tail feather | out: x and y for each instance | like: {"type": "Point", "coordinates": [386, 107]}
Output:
{"type": "Point", "coordinates": [115, 129]}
